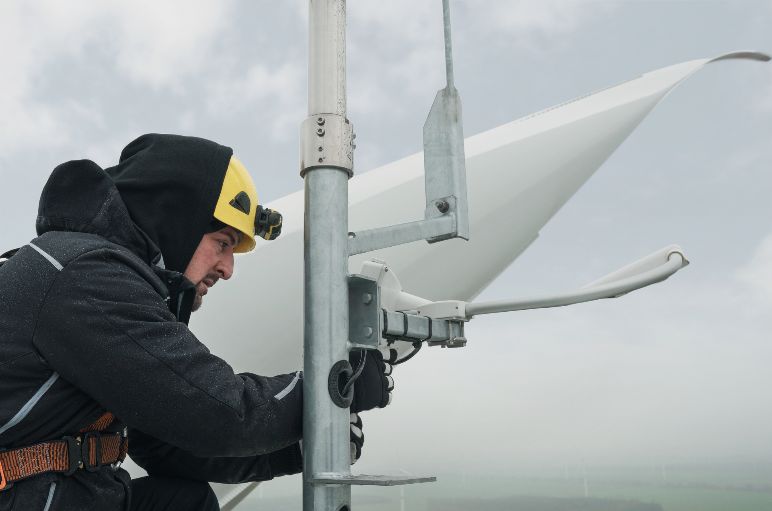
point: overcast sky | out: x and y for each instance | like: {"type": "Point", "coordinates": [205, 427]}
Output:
{"type": "Point", "coordinates": [677, 372]}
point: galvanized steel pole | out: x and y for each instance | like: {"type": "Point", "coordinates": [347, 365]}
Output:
{"type": "Point", "coordinates": [326, 167]}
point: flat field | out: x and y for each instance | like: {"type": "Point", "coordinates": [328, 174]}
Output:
{"type": "Point", "coordinates": [676, 488]}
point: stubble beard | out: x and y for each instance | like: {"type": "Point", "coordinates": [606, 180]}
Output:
{"type": "Point", "coordinates": [197, 302]}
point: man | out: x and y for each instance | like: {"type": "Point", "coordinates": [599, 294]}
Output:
{"type": "Point", "coordinates": [93, 315]}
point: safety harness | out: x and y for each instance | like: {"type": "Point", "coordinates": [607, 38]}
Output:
{"type": "Point", "coordinates": [90, 450]}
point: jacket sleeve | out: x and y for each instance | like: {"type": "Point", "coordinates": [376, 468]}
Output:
{"type": "Point", "coordinates": [161, 459]}
{"type": "Point", "coordinates": [104, 328]}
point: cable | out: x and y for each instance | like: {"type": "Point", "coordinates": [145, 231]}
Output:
{"type": "Point", "coordinates": [416, 348]}
{"type": "Point", "coordinates": [357, 372]}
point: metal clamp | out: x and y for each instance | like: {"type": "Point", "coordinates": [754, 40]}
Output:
{"type": "Point", "coordinates": [326, 140]}
{"type": "Point", "coordinates": [402, 326]}
{"type": "Point", "coordinates": [364, 317]}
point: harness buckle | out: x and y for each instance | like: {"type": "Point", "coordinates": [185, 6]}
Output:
{"type": "Point", "coordinates": [85, 451]}
{"type": "Point", "coordinates": [73, 454]}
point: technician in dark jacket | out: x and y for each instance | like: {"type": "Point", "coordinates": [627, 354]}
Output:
{"type": "Point", "coordinates": [93, 319]}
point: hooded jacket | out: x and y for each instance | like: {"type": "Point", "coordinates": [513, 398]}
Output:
{"type": "Point", "coordinates": [93, 317]}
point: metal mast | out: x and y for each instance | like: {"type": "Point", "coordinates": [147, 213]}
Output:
{"type": "Point", "coordinates": [326, 166]}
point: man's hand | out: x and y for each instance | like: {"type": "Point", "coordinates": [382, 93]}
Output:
{"type": "Point", "coordinates": [372, 389]}
{"type": "Point", "coordinates": [356, 437]}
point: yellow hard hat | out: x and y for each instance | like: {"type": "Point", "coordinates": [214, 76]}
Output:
{"type": "Point", "coordinates": [237, 204]}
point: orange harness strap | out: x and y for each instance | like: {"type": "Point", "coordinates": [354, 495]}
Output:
{"type": "Point", "coordinates": [66, 455]}
{"type": "Point", "coordinates": [100, 424]}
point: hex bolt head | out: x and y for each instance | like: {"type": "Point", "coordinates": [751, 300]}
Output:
{"type": "Point", "coordinates": [367, 298]}
{"type": "Point", "coordinates": [320, 149]}
{"type": "Point", "coordinates": [321, 160]}
{"type": "Point", "coordinates": [320, 132]}
{"type": "Point", "coordinates": [320, 121]}
{"type": "Point", "coordinates": [442, 206]}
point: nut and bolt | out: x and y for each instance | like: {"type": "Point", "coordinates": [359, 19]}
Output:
{"type": "Point", "coordinates": [320, 121]}
{"type": "Point", "coordinates": [442, 206]}
{"type": "Point", "coordinates": [367, 298]}
{"type": "Point", "coordinates": [368, 331]}
{"type": "Point", "coordinates": [320, 132]}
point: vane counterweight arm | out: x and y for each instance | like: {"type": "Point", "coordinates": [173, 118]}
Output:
{"type": "Point", "coordinates": [675, 261]}
{"type": "Point", "coordinates": [442, 323]}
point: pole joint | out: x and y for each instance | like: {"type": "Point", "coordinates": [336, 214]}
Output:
{"type": "Point", "coordinates": [327, 140]}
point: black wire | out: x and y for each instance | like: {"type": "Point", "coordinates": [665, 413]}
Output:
{"type": "Point", "coordinates": [357, 372]}
{"type": "Point", "coordinates": [416, 349]}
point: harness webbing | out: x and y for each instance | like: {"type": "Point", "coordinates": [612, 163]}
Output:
{"type": "Point", "coordinates": [66, 455]}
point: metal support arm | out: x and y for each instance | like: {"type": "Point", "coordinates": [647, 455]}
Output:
{"type": "Point", "coordinates": [370, 480]}
{"type": "Point", "coordinates": [608, 287]}
{"type": "Point", "coordinates": [383, 237]}
{"type": "Point", "coordinates": [400, 326]}
{"type": "Point", "coordinates": [375, 294]}
{"type": "Point", "coordinates": [447, 213]}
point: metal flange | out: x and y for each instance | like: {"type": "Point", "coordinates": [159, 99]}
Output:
{"type": "Point", "coordinates": [330, 478]}
{"type": "Point", "coordinates": [326, 140]}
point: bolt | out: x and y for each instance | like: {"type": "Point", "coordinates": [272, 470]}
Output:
{"type": "Point", "coordinates": [320, 149]}
{"type": "Point", "coordinates": [442, 206]}
{"type": "Point", "coordinates": [321, 160]}
{"type": "Point", "coordinates": [368, 331]}
{"type": "Point", "coordinates": [367, 298]}
{"type": "Point", "coordinates": [320, 121]}
{"type": "Point", "coordinates": [320, 132]}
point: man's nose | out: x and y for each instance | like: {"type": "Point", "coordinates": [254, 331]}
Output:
{"type": "Point", "coordinates": [225, 267]}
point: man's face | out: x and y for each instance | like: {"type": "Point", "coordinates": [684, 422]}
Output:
{"type": "Point", "coordinates": [212, 261]}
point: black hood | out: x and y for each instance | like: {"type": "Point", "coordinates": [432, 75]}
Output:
{"type": "Point", "coordinates": [160, 197]}
{"type": "Point", "coordinates": [170, 185]}
{"type": "Point", "coordinates": [80, 197]}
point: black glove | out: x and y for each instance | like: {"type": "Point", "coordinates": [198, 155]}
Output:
{"type": "Point", "coordinates": [356, 437]}
{"type": "Point", "coordinates": [372, 389]}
